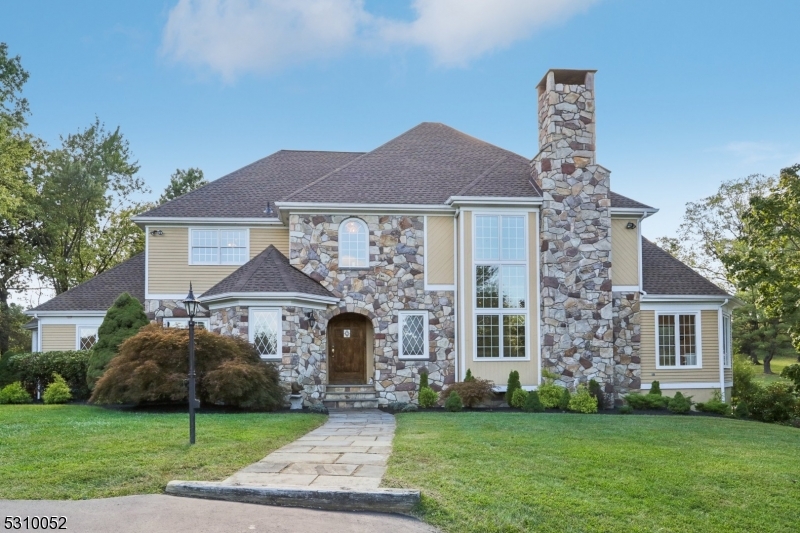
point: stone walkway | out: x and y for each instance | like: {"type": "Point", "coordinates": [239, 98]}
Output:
{"type": "Point", "coordinates": [349, 452]}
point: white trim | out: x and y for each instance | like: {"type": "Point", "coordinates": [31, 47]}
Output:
{"type": "Point", "coordinates": [504, 388]}
{"type": "Point", "coordinates": [226, 221]}
{"type": "Point", "coordinates": [537, 259]}
{"type": "Point", "coordinates": [339, 232]}
{"type": "Point", "coordinates": [426, 332]}
{"type": "Point", "coordinates": [67, 314]}
{"type": "Point", "coordinates": [78, 335]}
{"type": "Point", "coordinates": [639, 253]}
{"type": "Point", "coordinates": [182, 319]}
{"type": "Point", "coordinates": [687, 385]}
{"type": "Point", "coordinates": [488, 201]}
{"type": "Point", "coordinates": [180, 297]}
{"type": "Point", "coordinates": [287, 208]}
{"type": "Point", "coordinates": [251, 330]}
{"type": "Point", "coordinates": [647, 305]}
{"type": "Point", "coordinates": [282, 299]}
{"type": "Point", "coordinates": [500, 311]}
{"type": "Point", "coordinates": [624, 288]}
{"type": "Point", "coordinates": [146, 262]}
{"type": "Point", "coordinates": [456, 299]}
{"type": "Point", "coordinates": [35, 339]}
{"type": "Point", "coordinates": [720, 354]}
{"type": "Point", "coordinates": [643, 211]}
{"type": "Point", "coordinates": [698, 339]}
{"type": "Point", "coordinates": [684, 298]}
{"type": "Point", "coordinates": [464, 298]}
{"type": "Point", "coordinates": [219, 261]}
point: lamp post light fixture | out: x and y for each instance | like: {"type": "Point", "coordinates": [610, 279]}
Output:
{"type": "Point", "coordinates": [191, 304]}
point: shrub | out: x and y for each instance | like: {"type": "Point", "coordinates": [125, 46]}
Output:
{"type": "Point", "coordinates": [792, 372]}
{"type": "Point", "coordinates": [744, 385]}
{"type": "Point", "coordinates": [680, 404]}
{"type": "Point", "coordinates": [396, 407]}
{"type": "Point", "coordinates": [714, 406]}
{"type": "Point", "coordinates": [38, 368]}
{"type": "Point", "coordinates": [427, 397]}
{"type": "Point", "coordinates": [57, 391]}
{"type": "Point", "coordinates": [626, 410]}
{"type": "Point", "coordinates": [14, 393]}
{"type": "Point", "coordinates": [471, 393]}
{"type": "Point", "coordinates": [423, 380]}
{"type": "Point", "coordinates": [518, 398]}
{"type": "Point", "coordinates": [152, 367]}
{"type": "Point", "coordinates": [741, 410]}
{"type": "Point", "coordinates": [655, 388]}
{"type": "Point", "coordinates": [597, 392]}
{"type": "Point", "coordinates": [532, 403]}
{"type": "Point", "coordinates": [646, 401]}
{"type": "Point", "coordinates": [123, 320]}
{"type": "Point", "coordinates": [318, 408]}
{"type": "Point", "coordinates": [454, 403]}
{"type": "Point", "coordinates": [8, 374]}
{"type": "Point", "coordinates": [410, 408]}
{"type": "Point", "coordinates": [563, 402]}
{"type": "Point", "coordinates": [468, 377]}
{"type": "Point", "coordinates": [582, 401]}
{"type": "Point", "coordinates": [550, 394]}
{"type": "Point", "coordinates": [774, 402]}
{"type": "Point", "coordinates": [513, 385]}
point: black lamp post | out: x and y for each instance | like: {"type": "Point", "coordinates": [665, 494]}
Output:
{"type": "Point", "coordinates": [191, 305]}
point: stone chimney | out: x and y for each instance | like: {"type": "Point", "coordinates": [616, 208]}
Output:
{"type": "Point", "coordinates": [577, 306]}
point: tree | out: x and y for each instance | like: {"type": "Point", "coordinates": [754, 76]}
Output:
{"type": "Point", "coordinates": [766, 261]}
{"type": "Point", "coordinates": [757, 335]}
{"type": "Point", "coordinates": [17, 338]}
{"type": "Point", "coordinates": [86, 198]}
{"type": "Point", "coordinates": [182, 182]}
{"type": "Point", "coordinates": [123, 320]}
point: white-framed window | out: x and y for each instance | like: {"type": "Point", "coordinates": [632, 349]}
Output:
{"type": "Point", "coordinates": [412, 327]}
{"type": "Point", "coordinates": [678, 340]}
{"type": "Point", "coordinates": [218, 246]}
{"type": "Point", "coordinates": [501, 287]}
{"type": "Point", "coordinates": [727, 342]}
{"type": "Point", "coordinates": [183, 323]}
{"type": "Point", "coordinates": [87, 337]}
{"type": "Point", "coordinates": [266, 331]}
{"type": "Point", "coordinates": [353, 244]}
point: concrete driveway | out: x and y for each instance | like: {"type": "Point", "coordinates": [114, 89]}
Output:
{"type": "Point", "coordinates": [157, 512]}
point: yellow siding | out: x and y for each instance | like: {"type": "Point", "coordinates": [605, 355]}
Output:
{"type": "Point", "coordinates": [498, 370]}
{"type": "Point", "coordinates": [624, 253]}
{"type": "Point", "coordinates": [709, 331]}
{"type": "Point", "coordinates": [169, 271]}
{"type": "Point", "coordinates": [57, 337]}
{"type": "Point", "coordinates": [440, 251]}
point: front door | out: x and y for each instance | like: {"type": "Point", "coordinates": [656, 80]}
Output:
{"type": "Point", "coordinates": [347, 335]}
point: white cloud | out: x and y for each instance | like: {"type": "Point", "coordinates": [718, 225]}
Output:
{"type": "Point", "coordinates": [231, 37]}
{"type": "Point", "coordinates": [754, 151]}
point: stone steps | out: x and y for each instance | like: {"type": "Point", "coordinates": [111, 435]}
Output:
{"type": "Point", "coordinates": [350, 397]}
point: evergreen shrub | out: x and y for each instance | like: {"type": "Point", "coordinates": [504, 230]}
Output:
{"type": "Point", "coordinates": [57, 392]}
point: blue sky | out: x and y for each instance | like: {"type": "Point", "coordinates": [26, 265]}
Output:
{"type": "Point", "coordinates": [688, 93]}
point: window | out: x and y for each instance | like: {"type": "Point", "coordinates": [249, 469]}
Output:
{"type": "Point", "coordinates": [353, 244]}
{"type": "Point", "coordinates": [87, 337]}
{"type": "Point", "coordinates": [265, 332]}
{"type": "Point", "coordinates": [183, 323]}
{"type": "Point", "coordinates": [677, 340]}
{"type": "Point", "coordinates": [501, 285]}
{"type": "Point", "coordinates": [727, 341]}
{"type": "Point", "coordinates": [413, 334]}
{"type": "Point", "coordinates": [218, 247]}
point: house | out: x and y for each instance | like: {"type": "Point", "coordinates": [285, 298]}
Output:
{"type": "Point", "coordinates": [435, 251]}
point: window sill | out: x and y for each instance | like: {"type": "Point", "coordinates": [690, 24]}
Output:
{"type": "Point", "coordinates": [696, 367]}
{"type": "Point", "coordinates": [413, 358]}
{"type": "Point", "coordinates": [503, 359]}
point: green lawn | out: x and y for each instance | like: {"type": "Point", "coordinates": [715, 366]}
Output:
{"type": "Point", "coordinates": [507, 472]}
{"type": "Point", "coordinates": [777, 365]}
{"type": "Point", "coordinates": [76, 452]}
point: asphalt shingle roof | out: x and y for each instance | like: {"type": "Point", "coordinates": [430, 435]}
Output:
{"type": "Point", "coordinates": [99, 293]}
{"type": "Point", "coordinates": [664, 275]}
{"type": "Point", "coordinates": [269, 271]}
{"type": "Point", "coordinates": [617, 200]}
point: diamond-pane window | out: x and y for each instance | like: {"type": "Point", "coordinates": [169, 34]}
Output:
{"type": "Point", "coordinates": [413, 336]}
{"type": "Point", "coordinates": [88, 337]}
{"type": "Point", "coordinates": [265, 328]}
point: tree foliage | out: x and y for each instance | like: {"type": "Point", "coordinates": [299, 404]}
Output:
{"type": "Point", "coordinates": [759, 336]}
{"type": "Point", "coordinates": [18, 339]}
{"type": "Point", "coordinates": [182, 182]}
{"type": "Point", "coordinates": [123, 320]}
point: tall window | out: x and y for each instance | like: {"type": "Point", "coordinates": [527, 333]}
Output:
{"type": "Point", "coordinates": [219, 246]}
{"type": "Point", "coordinates": [677, 340]}
{"type": "Point", "coordinates": [87, 337]}
{"type": "Point", "coordinates": [265, 332]}
{"type": "Point", "coordinates": [727, 342]}
{"type": "Point", "coordinates": [353, 244]}
{"type": "Point", "coordinates": [501, 307]}
{"type": "Point", "coordinates": [413, 337]}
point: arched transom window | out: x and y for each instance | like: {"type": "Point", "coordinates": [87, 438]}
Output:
{"type": "Point", "coordinates": [353, 244]}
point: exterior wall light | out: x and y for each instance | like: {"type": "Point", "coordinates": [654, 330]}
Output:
{"type": "Point", "coordinates": [630, 225]}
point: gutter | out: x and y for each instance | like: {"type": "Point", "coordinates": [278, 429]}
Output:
{"type": "Point", "coordinates": [721, 332]}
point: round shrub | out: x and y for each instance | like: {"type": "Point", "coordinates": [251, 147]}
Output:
{"type": "Point", "coordinates": [563, 402]}
{"type": "Point", "coordinates": [532, 403]}
{"type": "Point", "coordinates": [57, 392]}
{"type": "Point", "coordinates": [410, 408]}
{"type": "Point", "coordinates": [14, 393]}
{"type": "Point", "coordinates": [454, 403]}
{"type": "Point", "coordinates": [471, 392]}
{"type": "Point", "coordinates": [582, 401]}
{"type": "Point", "coordinates": [626, 410]}
{"type": "Point", "coordinates": [518, 398]}
{"type": "Point", "coordinates": [680, 404]}
{"type": "Point", "coordinates": [152, 366]}
{"type": "Point", "coordinates": [427, 397]}
{"type": "Point", "coordinates": [513, 385]}
{"type": "Point", "coordinates": [550, 394]}
{"type": "Point", "coordinates": [741, 411]}
{"type": "Point", "coordinates": [774, 402]}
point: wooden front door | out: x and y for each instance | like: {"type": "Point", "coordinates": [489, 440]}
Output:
{"type": "Point", "coordinates": [347, 352]}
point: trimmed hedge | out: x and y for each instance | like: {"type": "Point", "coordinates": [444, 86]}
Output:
{"type": "Point", "coordinates": [39, 367]}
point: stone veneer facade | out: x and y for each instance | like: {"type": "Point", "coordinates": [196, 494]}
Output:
{"type": "Point", "coordinates": [578, 325]}
{"type": "Point", "coordinates": [627, 340]}
{"type": "Point", "coordinates": [156, 310]}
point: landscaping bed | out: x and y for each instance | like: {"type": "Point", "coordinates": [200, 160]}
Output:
{"type": "Point", "coordinates": [78, 452]}
{"type": "Point", "coordinates": [513, 471]}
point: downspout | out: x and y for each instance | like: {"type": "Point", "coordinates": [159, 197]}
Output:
{"type": "Point", "coordinates": [721, 341]}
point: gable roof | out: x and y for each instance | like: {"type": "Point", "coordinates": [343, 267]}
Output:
{"type": "Point", "coordinates": [268, 272]}
{"type": "Point", "coordinates": [662, 274]}
{"type": "Point", "coordinates": [100, 292]}
{"type": "Point", "coordinates": [617, 200]}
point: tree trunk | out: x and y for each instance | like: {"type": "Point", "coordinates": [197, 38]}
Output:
{"type": "Point", "coordinates": [767, 361]}
{"type": "Point", "coordinates": [754, 359]}
{"type": "Point", "coordinates": [5, 320]}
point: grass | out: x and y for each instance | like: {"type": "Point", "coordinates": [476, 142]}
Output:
{"type": "Point", "coordinates": [77, 452]}
{"type": "Point", "coordinates": [777, 365]}
{"type": "Point", "coordinates": [509, 472]}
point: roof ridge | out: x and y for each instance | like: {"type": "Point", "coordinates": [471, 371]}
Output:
{"type": "Point", "coordinates": [481, 176]}
{"type": "Point", "coordinates": [320, 151]}
{"type": "Point", "coordinates": [255, 264]}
